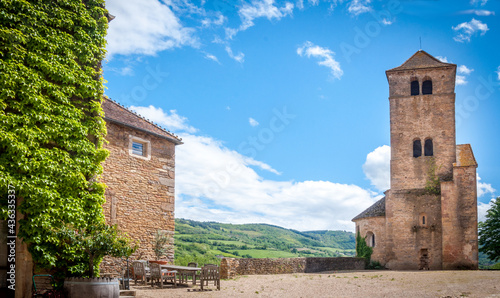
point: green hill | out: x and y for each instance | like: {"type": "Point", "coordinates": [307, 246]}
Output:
{"type": "Point", "coordinates": [201, 242]}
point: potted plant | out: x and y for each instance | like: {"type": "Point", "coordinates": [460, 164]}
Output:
{"type": "Point", "coordinates": [161, 244]}
{"type": "Point", "coordinates": [89, 246]}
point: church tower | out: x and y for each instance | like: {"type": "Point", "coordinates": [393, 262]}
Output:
{"type": "Point", "coordinates": [428, 219]}
{"type": "Point", "coordinates": [422, 111]}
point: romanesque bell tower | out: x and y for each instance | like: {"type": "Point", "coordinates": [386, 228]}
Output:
{"type": "Point", "coordinates": [428, 219]}
{"type": "Point", "coordinates": [422, 110]}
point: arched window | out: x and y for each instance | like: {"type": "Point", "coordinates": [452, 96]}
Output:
{"type": "Point", "coordinates": [417, 148]}
{"type": "Point", "coordinates": [370, 239]}
{"type": "Point", "coordinates": [423, 220]}
{"type": "Point", "coordinates": [428, 148]}
{"type": "Point", "coordinates": [415, 88]}
{"type": "Point", "coordinates": [427, 87]}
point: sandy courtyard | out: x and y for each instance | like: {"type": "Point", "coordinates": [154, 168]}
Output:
{"type": "Point", "coordinates": [347, 284]}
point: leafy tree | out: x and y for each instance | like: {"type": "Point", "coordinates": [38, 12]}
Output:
{"type": "Point", "coordinates": [362, 249]}
{"type": "Point", "coordinates": [489, 232]}
{"type": "Point", "coordinates": [85, 249]}
{"type": "Point", "coordinates": [51, 125]}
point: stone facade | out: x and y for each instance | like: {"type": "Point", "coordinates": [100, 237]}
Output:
{"type": "Point", "coordinates": [231, 267]}
{"type": "Point", "coordinates": [140, 187]}
{"type": "Point", "coordinates": [428, 219]}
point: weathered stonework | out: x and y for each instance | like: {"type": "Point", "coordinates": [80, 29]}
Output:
{"type": "Point", "coordinates": [140, 189]}
{"type": "Point", "coordinates": [417, 227]}
{"type": "Point", "coordinates": [231, 267]}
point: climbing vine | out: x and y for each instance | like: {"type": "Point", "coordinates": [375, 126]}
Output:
{"type": "Point", "coordinates": [362, 249]}
{"type": "Point", "coordinates": [51, 126]}
{"type": "Point", "coordinates": [432, 185]}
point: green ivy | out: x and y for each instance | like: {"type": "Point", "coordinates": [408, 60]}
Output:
{"type": "Point", "coordinates": [51, 126]}
{"type": "Point", "coordinates": [433, 183]}
{"type": "Point", "coordinates": [362, 249]}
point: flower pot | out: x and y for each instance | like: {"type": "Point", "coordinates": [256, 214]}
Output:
{"type": "Point", "coordinates": [75, 287]}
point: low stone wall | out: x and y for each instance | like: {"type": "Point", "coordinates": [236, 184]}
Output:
{"type": "Point", "coordinates": [230, 267]}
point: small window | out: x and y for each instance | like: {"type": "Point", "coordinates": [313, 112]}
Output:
{"type": "Point", "coordinates": [417, 148]}
{"type": "Point", "coordinates": [370, 239]}
{"type": "Point", "coordinates": [138, 148]}
{"type": "Point", "coordinates": [423, 220]}
{"type": "Point", "coordinates": [427, 87]}
{"type": "Point", "coordinates": [415, 88]}
{"type": "Point", "coordinates": [428, 148]}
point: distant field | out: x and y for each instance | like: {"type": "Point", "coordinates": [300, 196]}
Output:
{"type": "Point", "coordinates": [201, 242]}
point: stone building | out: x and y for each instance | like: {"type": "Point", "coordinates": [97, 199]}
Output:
{"type": "Point", "coordinates": [428, 219]}
{"type": "Point", "coordinates": [140, 177]}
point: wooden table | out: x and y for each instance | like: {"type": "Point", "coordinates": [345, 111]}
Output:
{"type": "Point", "coordinates": [183, 270]}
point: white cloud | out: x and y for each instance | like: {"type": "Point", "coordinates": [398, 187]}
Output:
{"type": "Point", "coordinates": [460, 80]}
{"type": "Point", "coordinates": [377, 167]}
{"type": "Point", "coordinates": [483, 188]}
{"type": "Point", "coordinates": [225, 188]}
{"type": "Point", "coordinates": [216, 183]}
{"type": "Point", "coordinates": [239, 58]}
{"type": "Point", "coordinates": [253, 122]}
{"type": "Point", "coordinates": [357, 7]}
{"type": "Point", "coordinates": [217, 21]}
{"type": "Point", "coordinates": [479, 12]}
{"type": "Point", "coordinates": [387, 22]}
{"type": "Point", "coordinates": [171, 121]}
{"type": "Point", "coordinates": [462, 69]}
{"type": "Point", "coordinates": [465, 30]}
{"type": "Point", "coordinates": [482, 210]}
{"type": "Point", "coordinates": [248, 12]}
{"type": "Point", "coordinates": [480, 2]}
{"type": "Point", "coordinates": [145, 27]}
{"type": "Point", "coordinates": [211, 57]}
{"type": "Point", "coordinates": [442, 59]}
{"type": "Point", "coordinates": [498, 73]}
{"type": "Point", "coordinates": [325, 56]}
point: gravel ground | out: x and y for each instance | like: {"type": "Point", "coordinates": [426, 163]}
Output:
{"type": "Point", "coordinates": [347, 284]}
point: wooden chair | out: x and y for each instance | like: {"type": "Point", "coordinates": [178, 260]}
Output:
{"type": "Point", "coordinates": [210, 273]}
{"type": "Point", "coordinates": [194, 275]}
{"type": "Point", "coordinates": [140, 272]}
{"type": "Point", "coordinates": [159, 275]}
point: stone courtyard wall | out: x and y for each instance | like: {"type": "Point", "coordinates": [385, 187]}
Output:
{"type": "Point", "coordinates": [231, 267]}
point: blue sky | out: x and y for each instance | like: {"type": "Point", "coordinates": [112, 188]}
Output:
{"type": "Point", "coordinates": [283, 105]}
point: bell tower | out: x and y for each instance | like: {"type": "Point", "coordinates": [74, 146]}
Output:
{"type": "Point", "coordinates": [422, 115]}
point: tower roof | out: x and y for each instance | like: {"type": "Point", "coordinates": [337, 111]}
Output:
{"type": "Point", "coordinates": [465, 156]}
{"type": "Point", "coordinates": [377, 209]}
{"type": "Point", "coordinates": [421, 59]}
{"type": "Point", "coordinates": [117, 113]}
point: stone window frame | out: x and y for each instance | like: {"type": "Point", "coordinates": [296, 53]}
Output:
{"type": "Point", "coordinates": [423, 219]}
{"type": "Point", "coordinates": [414, 87]}
{"type": "Point", "coordinates": [428, 149]}
{"type": "Point", "coordinates": [427, 86]}
{"type": "Point", "coordinates": [370, 239]}
{"type": "Point", "coordinates": [146, 147]}
{"type": "Point", "coordinates": [416, 142]}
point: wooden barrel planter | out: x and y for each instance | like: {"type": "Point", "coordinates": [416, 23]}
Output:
{"type": "Point", "coordinates": [75, 287]}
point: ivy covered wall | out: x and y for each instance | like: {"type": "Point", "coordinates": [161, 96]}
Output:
{"type": "Point", "coordinates": [51, 126]}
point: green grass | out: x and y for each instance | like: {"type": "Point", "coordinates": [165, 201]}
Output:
{"type": "Point", "coordinates": [202, 241]}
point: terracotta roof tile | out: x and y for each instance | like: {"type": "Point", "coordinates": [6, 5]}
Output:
{"type": "Point", "coordinates": [465, 156]}
{"type": "Point", "coordinates": [115, 112]}
{"type": "Point", "coordinates": [421, 59]}
{"type": "Point", "coordinates": [377, 209]}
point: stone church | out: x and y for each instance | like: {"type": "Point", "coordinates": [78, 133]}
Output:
{"type": "Point", "coordinates": [428, 219]}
